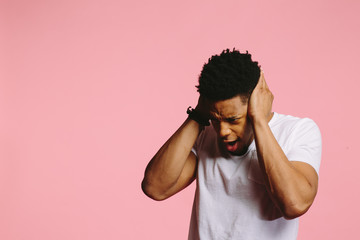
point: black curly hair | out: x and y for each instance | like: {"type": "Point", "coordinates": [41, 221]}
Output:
{"type": "Point", "coordinates": [229, 74]}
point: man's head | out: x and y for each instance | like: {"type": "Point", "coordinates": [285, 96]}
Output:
{"type": "Point", "coordinates": [227, 75]}
{"type": "Point", "coordinates": [226, 82]}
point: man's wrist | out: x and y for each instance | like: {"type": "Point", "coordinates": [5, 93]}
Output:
{"type": "Point", "coordinates": [197, 116]}
{"type": "Point", "coordinates": [264, 120]}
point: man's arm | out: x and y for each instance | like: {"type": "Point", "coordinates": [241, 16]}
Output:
{"type": "Point", "coordinates": [291, 185]}
{"type": "Point", "coordinates": [174, 166]}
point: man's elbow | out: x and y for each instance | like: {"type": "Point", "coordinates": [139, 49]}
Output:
{"type": "Point", "coordinates": [152, 192]}
{"type": "Point", "coordinates": [295, 210]}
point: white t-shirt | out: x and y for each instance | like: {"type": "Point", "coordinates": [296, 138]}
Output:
{"type": "Point", "coordinates": [231, 201]}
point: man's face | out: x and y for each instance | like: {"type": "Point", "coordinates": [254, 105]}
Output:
{"type": "Point", "coordinates": [230, 121]}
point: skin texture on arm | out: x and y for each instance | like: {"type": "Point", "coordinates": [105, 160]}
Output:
{"type": "Point", "coordinates": [174, 166]}
{"type": "Point", "coordinates": [291, 185]}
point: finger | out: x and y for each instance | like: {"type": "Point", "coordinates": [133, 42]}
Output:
{"type": "Point", "coordinates": [262, 83]}
{"type": "Point", "coordinates": [263, 80]}
{"type": "Point", "coordinates": [259, 83]}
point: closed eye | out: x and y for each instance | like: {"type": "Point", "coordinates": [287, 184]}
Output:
{"type": "Point", "coordinates": [230, 120]}
{"type": "Point", "coordinates": [214, 119]}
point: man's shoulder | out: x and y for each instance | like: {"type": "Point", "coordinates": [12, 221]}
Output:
{"type": "Point", "coordinates": [289, 122]}
{"type": "Point", "coordinates": [287, 129]}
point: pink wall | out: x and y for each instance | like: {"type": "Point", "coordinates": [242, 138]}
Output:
{"type": "Point", "coordinates": [89, 90]}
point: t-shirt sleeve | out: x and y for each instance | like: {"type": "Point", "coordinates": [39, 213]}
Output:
{"type": "Point", "coordinates": [306, 144]}
{"type": "Point", "coordinates": [199, 141]}
{"type": "Point", "coordinates": [194, 149]}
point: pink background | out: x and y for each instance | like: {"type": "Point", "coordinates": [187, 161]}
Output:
{"type": "Point", "coordinates": [89, 90]}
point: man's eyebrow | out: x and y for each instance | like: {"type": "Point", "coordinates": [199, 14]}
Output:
{"type": "Point", "coordinates": [214, 117]}
{"type": "Point", "coordinates": [233, 117]}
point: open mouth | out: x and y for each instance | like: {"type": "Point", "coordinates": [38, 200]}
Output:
{"type": "Point", "coordinates": [232, 143]}
{"type": "Point", "coordinates": [232, 146]}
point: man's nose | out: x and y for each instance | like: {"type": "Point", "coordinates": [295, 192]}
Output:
{"type": "Point", "coordinates": [224, 129]}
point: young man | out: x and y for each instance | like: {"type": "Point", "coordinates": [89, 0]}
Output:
{"type": "Point", "coordinates": [256, 170]}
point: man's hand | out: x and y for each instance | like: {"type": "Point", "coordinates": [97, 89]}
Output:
{"type": "Point", "coordinates": [260, 101]}
{"type": "Point", "coordinates": [203, 107]}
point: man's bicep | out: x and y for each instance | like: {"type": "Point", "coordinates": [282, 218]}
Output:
{"type": "Point", "coordinates": [187, 176]}
{"type": "Point", "coordinates": [309, 173]}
